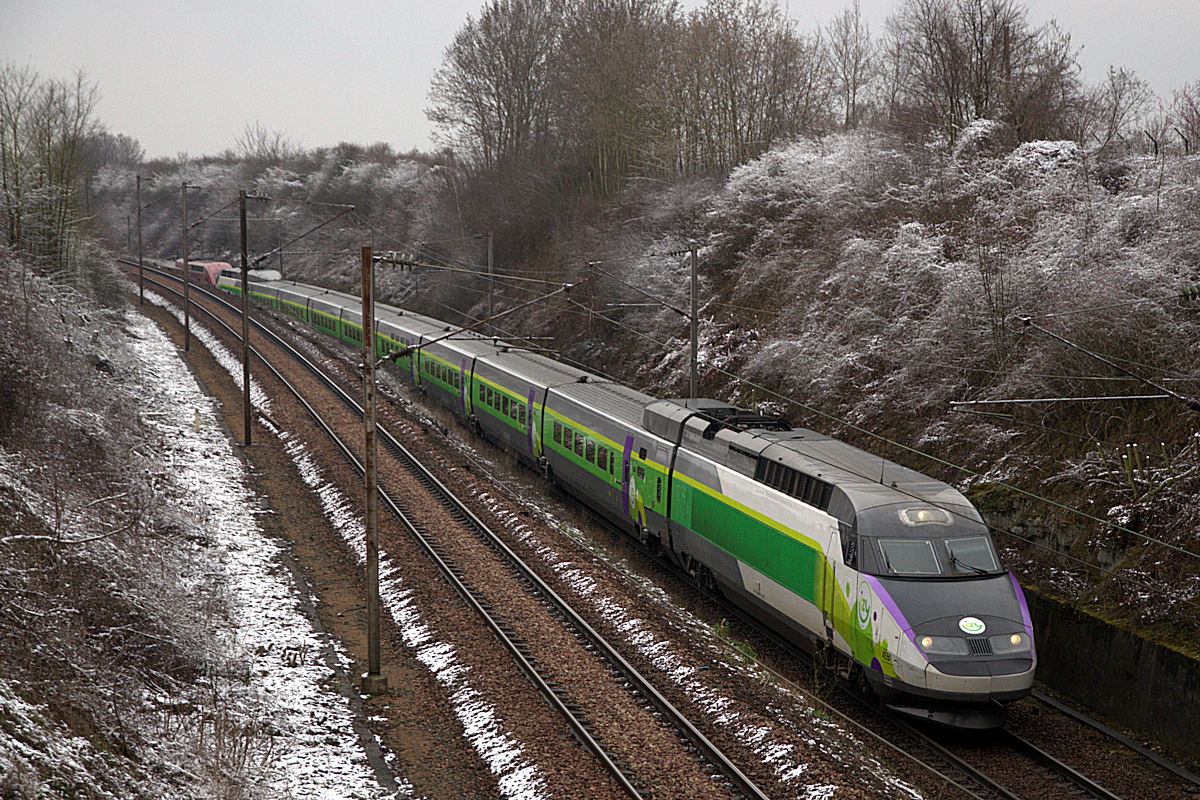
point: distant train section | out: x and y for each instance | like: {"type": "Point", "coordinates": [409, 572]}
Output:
{"type": "Point", "coordinates": [209, 271]}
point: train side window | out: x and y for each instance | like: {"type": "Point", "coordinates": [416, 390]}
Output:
{"type": "Point", "coordinates": [558, 433]}
{"type": "Point", "coordinates": [850, 552]}
{"type": "Point", "coordinates": [504, 405]}
{"type": "Point", "coordinates": [612, 464]}
{"type": "Point", "coordinates": [591, 451]}
{"type": "Point", "coordinates": [579, 440]}
{"type": "Point", "coordinates": [513, 412]}
{"type": "Point", "coordinates": [521, 418]}
{"type": "Point", "coordinates": [602, 458]}
{"type": "Point", "coordinates": [482, 393]}
{"type": "Point", "coordinates": [658, 491]}
{"type": "Point", "coordinates": [642, 453]}
{"type": "Point", "coordinates": [849, 545]}
{"type": "Point", "coordinates": [491, 397]}
{"type": "Point", "coordinates": [566, 442]}
{"type": "Point", "coordinates": [641, 472]}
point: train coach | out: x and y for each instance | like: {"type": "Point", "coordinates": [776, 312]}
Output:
{"type": "Point", "coordinates": [891, 576]}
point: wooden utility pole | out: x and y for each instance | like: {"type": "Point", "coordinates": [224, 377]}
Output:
{"type": "Point", "coordinates": [491, 284]}
{"type": "Point", "coordinates": [373, 682]}
{"type": "Point", "coordinates": [245, 318]}
{"type": "Point", "coordinates": [692, 252]}
{"type": "Point", "coordinates": [141, 277]}
{"type": "Point", "coordinates": [187, 281]}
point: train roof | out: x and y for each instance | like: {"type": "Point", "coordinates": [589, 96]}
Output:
{"type": "Point", "coordinates": [764, 447]}
{"type": "Point", "coordinates": [770, 450]}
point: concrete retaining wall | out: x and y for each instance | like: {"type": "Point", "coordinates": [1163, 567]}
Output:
{"type": "Point", "coordinates": [1141, 685]}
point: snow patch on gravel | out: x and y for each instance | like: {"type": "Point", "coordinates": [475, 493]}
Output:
{"type": "Point", "coordinates": [517, 777]}
{"type": "Point", "coordinates": [228, 361]}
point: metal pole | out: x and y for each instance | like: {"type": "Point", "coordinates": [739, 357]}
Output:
{"type": "Point", "coordinates": [141, 277]}
{"type": "Point", "coordinates": [491, 285]}
{"type": "Point", "coordinates": [187, 282]}
{"type": "Point", "coordinates": [372, 681]}
{"type": "Point", "coordinates": [128, 233]}
{"type": "Point", "coordinates": [692, 251]}
{"type": "Point", "coordinates": [279, 243]}
{"type": "Point", "coordinates": [245, 318]}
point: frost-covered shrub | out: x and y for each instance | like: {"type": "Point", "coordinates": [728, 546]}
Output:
{"type": "Point", "coordinates": [983, 139]}
{"type": "Point", "coordinates": [1034, 161]}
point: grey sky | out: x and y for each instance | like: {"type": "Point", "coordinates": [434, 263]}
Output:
{"type": "Point", "coordinates": [188, 75]}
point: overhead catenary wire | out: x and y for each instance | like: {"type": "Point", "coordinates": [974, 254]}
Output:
{"type": "Point", "coordinates": [1190, 293]}
{"type": "Point", "coordinates": [313, 229]}
{"type": "Point", "coordinates": [1190, 402]}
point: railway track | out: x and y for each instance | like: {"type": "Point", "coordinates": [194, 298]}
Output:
{"type": "Point", "coordinates": [523, 651]}
{"type": "Point", "coordinates": [947, 763]}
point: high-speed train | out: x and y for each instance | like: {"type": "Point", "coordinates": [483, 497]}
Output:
{"type": "Point", "coordinates": [888, 574]}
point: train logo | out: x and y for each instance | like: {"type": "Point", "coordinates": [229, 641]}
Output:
{"type": "Point", "coordinates": [971, 625]}
{"type": "Point", "coordinates": [864, 605]}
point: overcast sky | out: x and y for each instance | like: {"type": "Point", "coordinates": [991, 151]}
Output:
{"type": "Point", "coordinates": [188, 76]}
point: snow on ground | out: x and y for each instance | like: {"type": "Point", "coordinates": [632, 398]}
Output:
{"type": "Point", "coordinates": [315, 752]}
{"type": "Point", "coordinates": [517, 777]}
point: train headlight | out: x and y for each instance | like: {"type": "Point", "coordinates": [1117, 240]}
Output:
{"type": "Point", "coordinates": [1007, 643]}
{"type": "Point", "coordinates": [942, 645]}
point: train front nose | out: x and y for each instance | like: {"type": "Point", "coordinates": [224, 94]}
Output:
{"type": "Point", "coordinates": [976, 658]}
{"type": "Point", "coordinates": [968, 641]}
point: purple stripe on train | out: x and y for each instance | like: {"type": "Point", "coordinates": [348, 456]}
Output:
{"type": "Point", "coordinates": [529, 423]}
{"type": "Point", "coordinates": [462, 382]}
{"type": "Point", "coordinates": [625, 472]}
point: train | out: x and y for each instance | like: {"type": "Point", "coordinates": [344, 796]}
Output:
{"type": "Point", "coordinates": [887, 575]}
{"type": "Point", "coordinates": [209, 271]}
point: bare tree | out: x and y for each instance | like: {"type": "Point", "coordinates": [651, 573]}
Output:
{"type": "Point", "coordinates": [259, 143]}
{"type": "Point", "coordinates": [746, 80]}
{"type": "Point", "coordinates": [608, 70]}
{"type": "Point", "coordinates": [959, 60]}
{"type": "Point", "coordinates": [18, 87]}
{"type": "Point", "coordinates": [851, 61]}
{"type": "Point", "coordinates": [491, 96]}
{"type": "Point", "coordinates": [1119, 104]}
{"type": "Point", "coordinates": [45, 125]}
{"type": "Point", "coordinates": [1185, 111]}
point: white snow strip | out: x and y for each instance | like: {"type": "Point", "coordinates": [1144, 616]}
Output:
{"type": "Point", "coordinates": [316, 753]}
{"type": "Point", "coordinates": [228, 361]}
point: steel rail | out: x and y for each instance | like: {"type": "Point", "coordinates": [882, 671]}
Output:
{"type": "Point", "coordinates": [1141, 750]}
{"type": "Point", "coordinates": [1073, 775]}
{"type": "Point", "coordinates": [713, 754]}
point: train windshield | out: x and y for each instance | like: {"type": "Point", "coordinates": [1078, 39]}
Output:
{"type": "Point", "coordinates": [951, 557]}
{"type": "Point", "coordinates": [973, 554]}
{"type": "Point", "coordinates": [910, 556]}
